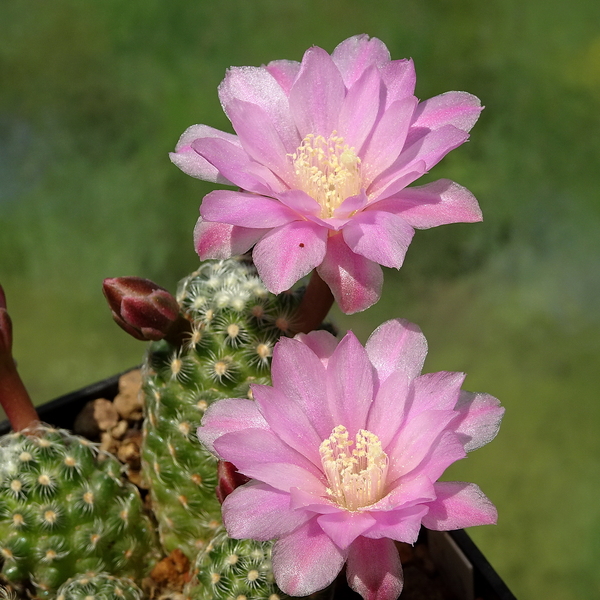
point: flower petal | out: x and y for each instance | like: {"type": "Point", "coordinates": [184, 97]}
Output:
{"type": "Point", "coordinates": [289, 421]}
{"type": "Point", "coordinates": [299, 374]}
{"type": "Point", "coordinates": [460, 109]}
{"type": "Point", "coordinates": [399, 78]}
{"type": "Point", "coordinates": [379, 236]}
{"type": "Point", "coordinates": [415, 441]}
{"type": "Point", "coordinates": [227, 415]}
{"type": "Point", "coordinates": [437, 203]}
{"type": "Point", "coordinates": [373, 569]}
{"type": "Point", "coordinates": [436, 391]}
{"type": "Point", "coordinates": [288, 253]}
{"type": "Point", "coordinates": [321, 342]}
{"type": "Point", "coordinates": [235, 165]}
{"type": "Point", "coordinates": [259, 512]}
{"type": "Point", "coordinates": [356, 54]}
{"type": "Point", "coordinates": [260, 454]}
{"type": "Point", "coordinates": [360, 108]}
{"type": "Point", "coordinates": [259, 138]}
{"type": "Point", "coordinates": [479, 421]}
{"type": "Point", "coordinates": [245, 210]}
{"type": "Point", "coordinates": [354, 280]}
{"type": "Point", "coordinates": [306, 560]}
{"type": "Point", "coordinates": [397, 345]}
{"type": "Point", "coordinates": [300, 202]}
{"type": "Point", "coordinates": [402, 525]}
{"type": "Point", "coordinates": [190, 162]}
{"type": "Point", "coordinates": [221, 240]}
{"type": "Point", "coordinates": [258, 86]}
{"type": "Point", "coordinates": [285, 72]}
{"type": "Point", "coordinates": [388, 138]}
{"type": "Point", "coordinates": [317, 94]}
{"type": "Point", "coordinates": [349, 384]}
{"type": "Point", "coordinates": [459, 505]}
{"type": "Point", "coordinates": [343, 527]}
{"type": "Point", "coordinates": [388, 409]}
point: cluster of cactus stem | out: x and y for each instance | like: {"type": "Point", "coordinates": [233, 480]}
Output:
{"type": "Point", "coordinates": [70, 523]}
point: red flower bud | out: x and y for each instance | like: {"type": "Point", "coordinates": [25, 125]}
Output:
{"type": "Point", "coordinates": [140, 307]}
{"type": "Point", "coordinates": [228, 479]}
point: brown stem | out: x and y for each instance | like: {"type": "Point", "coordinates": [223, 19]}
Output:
{"type": "Point", "coordinates": [14, 397]}
{"type": "Point", "coordinates": [315, 305]}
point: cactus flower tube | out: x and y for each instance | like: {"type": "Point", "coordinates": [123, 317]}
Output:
{"type": "Point", "coordinates": [344, 452]}
{"type": "Point", "coordinates": [323, 153]}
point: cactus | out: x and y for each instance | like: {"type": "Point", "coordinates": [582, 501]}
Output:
{"type": "Point", "coordinates": [99, 586]}
{"type": "Point", "coordinates": [64, 509]}
{"type": "Point", "coordinates": [233, 325]}
{"type": "Point", "coordinates": [229, 568]}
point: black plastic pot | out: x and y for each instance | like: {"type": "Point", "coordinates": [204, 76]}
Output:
{"type": "Point", "coordinates": [465, 571]}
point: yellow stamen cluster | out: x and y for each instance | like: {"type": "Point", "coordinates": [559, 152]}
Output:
{"type": "Point", "coordinates": [327, 170]}
{"type": "Point", "coordinates": [356, 476]}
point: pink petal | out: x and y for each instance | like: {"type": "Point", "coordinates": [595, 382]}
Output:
{"type": "Point", "coordinates": [360, 108]}
{"type": "Point", "coordinates": [289, 421]}
{"type": "Point", "coordinates": [388, 138]}
{"type": "Point", "coordinates": [394, 182]}
{"type": "Point", "coordinates": [412, 489]}
{"type": "Point", "coordinates": [344, 527]}
{"type": "Point", "coordinates": [402, 525]}
{"type": "Point", "coordinates": [452, 108]}
{"type": "Point", "coordinates": [317, 94]}
{"type": "Point", "coordinates": [444, 452]}
{"type": "Point", "coordinates": [234, 164]}
{"type": "Point", "coordinates": [415, 441]}
{"type": "Point", "coordinates": [227, 415]}
{"type": "Point", "coordinates": [459, 505]}
{"type": "Point", "coordinates": [306, 560]}
{"type": "Point", "coordinates": [479, 421]}
{"type": "Point", "coordinates": [259, 512]}
{"type": "Point", "coordinates": [288, 253]}
{"type": "Point", "coordinates": [349, 384]}
{"type": "Point", "coordinates": [349, 206]}
{"type": "Point", "coordinates": [316, 503]}
{"type": "Point", "coordinates": [190, 162]}
{"type": "Point", "coordinates": [258, 86]}
{"type": "Point", "coordinates": [285, 72]}
{"type": "Point", "coordinates": [259, 138]}
{"type": "Point", "coordinates": [221, 240]}
{"type": "Point", "coordinates": [400, 79]}
{"type": "Point", "coordinates": [373, 569]}
{"type": "Point", "coordinates": [397, 345]}
{"type": "Point", "coordinates": [379, 236]}
{"type": "Point", "coordinates": [261, 455]}
{"type": "Point", "coordinates": [389, 408]}
{"type": "Point", "coordinates": [354, 280]}
{"type": "Point", "coordinates": [436, 391]}
{"type": "Point", "coordinates": [436, 203]}
{"type": "Point", "coordinates": [245, 210]}
{"type": "Point", "coordinates": [356, 54]}
{"type": "Point", "coordinates": [299, 374]}
{"type": "Point", "coordinates": [300, 202]}
{"type": "Point", "coordinates": [321, 342]}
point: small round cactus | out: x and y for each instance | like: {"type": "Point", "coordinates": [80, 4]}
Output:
{"type": "Point", "coordinates": [233, 569]}
{"type": "Point", "coordinates": [99, 586]}
{"type": "Point", "coordinates": [64, 509]}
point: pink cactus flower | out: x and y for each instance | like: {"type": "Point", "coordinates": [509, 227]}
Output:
{"type": "Point", "coordinates": [344, 452]}
{"type": "Point", "coordinates": [323, 153]}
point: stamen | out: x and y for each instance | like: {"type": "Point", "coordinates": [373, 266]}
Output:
{"type": "Point", "coordinates": [327, 170]}
{"type": "Point", "coordinates": [356, 477]}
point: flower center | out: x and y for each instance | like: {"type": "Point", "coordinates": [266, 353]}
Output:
{"type": "Point", "coordinates": [356, 476]}
{"type": "Point", "coordinates": [327, 170]}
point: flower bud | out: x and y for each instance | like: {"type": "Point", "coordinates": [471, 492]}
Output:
{"type": "Point", "coordinates": [228, 479]}
{"type": "Point", "coordinates": [140, 307]}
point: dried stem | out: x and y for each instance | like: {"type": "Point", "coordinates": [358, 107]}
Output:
{"type": "Point", "coordinates": [315, 305]}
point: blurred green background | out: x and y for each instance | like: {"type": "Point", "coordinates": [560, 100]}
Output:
{"type": "Point", "coordinates": [94, 94]}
